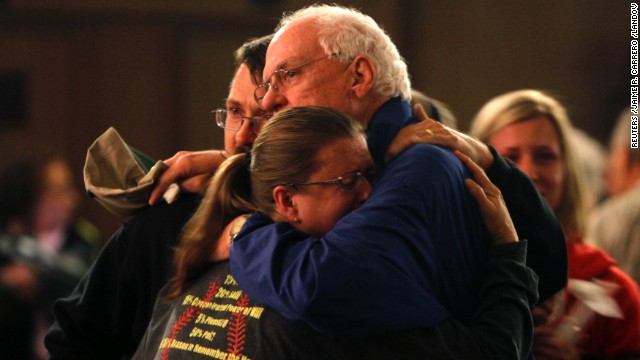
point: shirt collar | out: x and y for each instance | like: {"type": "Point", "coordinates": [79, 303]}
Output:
{"type": "Point", "coordinates": [392, 116]}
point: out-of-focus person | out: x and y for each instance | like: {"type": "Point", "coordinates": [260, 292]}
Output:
{"type": "Point", "coordinates": [615, 224]}
{"type": "Point", "coordinates": [41, 233]}
{"type": "Point", "coordinates": [591, 156]}
{"type": "Point", "coordinates": [435, 109]}
{"type": "Point", "coordinates": [532, 129]}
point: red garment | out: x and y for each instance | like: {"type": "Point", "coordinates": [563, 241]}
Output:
{"type": "Point", "coordinates": [605, 336]}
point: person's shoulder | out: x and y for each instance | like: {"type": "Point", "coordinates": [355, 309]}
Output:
{"type": "Point", "coordinates": [624, 205]}
{"type": "Point", "coordinates": [427, 159]}
{"type": "Point", "coordinates": [158, 224]}
{"type": "Point", "coordinates": [589, 253]}
{"type": "Point", "coordinates": [588, 261]}
{"type": "Point", "coordinates": [151, 233]}
{"type": "Point", "coordinates": [167, 214]}
{"type": "Point", "coordinates": [429, 152]}
{"type": "Point", "coordinates": [423, 168]}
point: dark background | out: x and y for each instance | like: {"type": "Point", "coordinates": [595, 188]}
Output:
{"type": "Point", "coordinates": [154, 69]}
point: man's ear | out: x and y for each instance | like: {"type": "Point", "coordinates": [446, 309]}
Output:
{"type": "Point", "coordinates": [285, 206]}
{"type": "Point", "coordinates": [363, 72]}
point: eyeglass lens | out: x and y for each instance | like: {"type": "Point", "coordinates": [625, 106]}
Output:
{"type": "Point", "coordinates": [231, 120]}
{"type": "Point", "coordinates": [280, 80]}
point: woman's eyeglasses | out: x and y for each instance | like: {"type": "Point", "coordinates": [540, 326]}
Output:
{"type": "Point", "coordinates": [348, 181]}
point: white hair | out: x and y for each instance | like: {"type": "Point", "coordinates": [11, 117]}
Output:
{"type": "Point", "coordinates": [347, 33]}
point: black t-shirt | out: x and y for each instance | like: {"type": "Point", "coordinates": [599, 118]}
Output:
{"type": "Point", "coordinates": [215, 319]}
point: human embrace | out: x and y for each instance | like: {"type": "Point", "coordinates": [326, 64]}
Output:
{"type": "Point", "coordinates": [335, 262]}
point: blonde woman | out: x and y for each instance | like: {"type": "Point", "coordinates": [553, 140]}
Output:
{"type": "Point", "coordinates": [532, 129]}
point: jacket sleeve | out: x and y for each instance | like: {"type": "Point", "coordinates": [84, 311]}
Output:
{"type": "Point", "coordinates": [534, 221]}
{"type": "Point", "coordinates": [95, 321]}
{"type": "Point", "coordinates": [502, 327]}
{"type": "Point", "coordinates": [384, 266]}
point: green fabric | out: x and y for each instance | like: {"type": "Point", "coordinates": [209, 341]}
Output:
{"type": "Point", "coordinates": [146, 162]}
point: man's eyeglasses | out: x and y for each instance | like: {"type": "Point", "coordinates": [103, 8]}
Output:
{"type": "Point", "coordinates": [281, 80]}
{"type": "Point", "coordinates": [348, 181]}
{"type": "Point", "coordinates": [233, 120]}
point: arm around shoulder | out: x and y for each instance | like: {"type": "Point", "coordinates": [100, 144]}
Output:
{"type": "Point", "coordinates": [535, 221]}
{"type": "Point", "coordinates": [502, 327]}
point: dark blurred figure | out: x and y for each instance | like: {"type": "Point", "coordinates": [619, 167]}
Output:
{"type": "Point", "coordinates": [44, 247]}
{"type": "Point", "coordinates": [435, 109]}
{"type": "Point", "coordinates": [18, 284]}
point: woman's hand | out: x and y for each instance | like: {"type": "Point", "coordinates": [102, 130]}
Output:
{"type": "Point", "coordinates": [432, 132]}
{"type": "Point", "coordinates": [492, 207]}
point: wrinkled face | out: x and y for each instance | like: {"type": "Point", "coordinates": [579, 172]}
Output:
{"type": "Point", "coordinates": [534, 145]}
{"type": "Point", "coordinates": [241, 100]}
{"type": "Point", "coordinates": [321, 83]}
{"type": "Point", "coordinates": [321, 206]}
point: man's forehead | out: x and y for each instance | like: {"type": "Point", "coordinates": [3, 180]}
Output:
{"type": "Point", "coordinates": [291, 45]}
{"type": "Point", "coordinates": [241, 91]}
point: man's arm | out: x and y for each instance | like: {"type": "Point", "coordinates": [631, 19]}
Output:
{"type": "Point", "coordinates": [378, 265]}
{"type": "Point", "coordinates": [534, 220]}
{"type": "Point", "coordinates": [506, 295]}
{"type": "Point", "coordinates": [191, 170]}
{"type": "Point", "coordinates": [107, 313]}
{"type": "Point", "coordinates": [502, 327]}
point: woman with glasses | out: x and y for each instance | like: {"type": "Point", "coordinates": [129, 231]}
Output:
{"type": "Point", "coordinates": [310, 166]}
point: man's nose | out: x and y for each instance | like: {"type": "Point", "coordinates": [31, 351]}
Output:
{"type": "Point", "coordinates": [245, 135]}
{"type": "Point", "coordinates": [273, 101]}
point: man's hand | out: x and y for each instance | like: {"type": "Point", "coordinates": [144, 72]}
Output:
{"type": "Point", "coordinates": [432, 132]}
{"type": "Point", "coordinates": [191, 170]}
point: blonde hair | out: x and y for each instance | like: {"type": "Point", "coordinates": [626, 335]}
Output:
{"type": "Point", "coordinates": [523, 105]}
{"type": "Point", "coordinates": [284, 152]}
